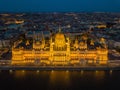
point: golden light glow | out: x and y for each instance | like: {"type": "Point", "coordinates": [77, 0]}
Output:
{"type": "Point", "coordinates": [38, 71]}
{"type": "Point", "coordinates": [20, 74]}
{"type": "Point", "coordinates": [99, 75]}
{"type": "Point", "coordinates": [59, 77]}
{"type": "Point", "coordinates": [111, 72]}
{"type": "Point", "coordinates": [101, 26]}
{"type": "Point", "coordinates": [82, 72]}
{"type": "Point", "coordinates": [59, 52]}
{"type": "Point", "coordinates": [10, 71]}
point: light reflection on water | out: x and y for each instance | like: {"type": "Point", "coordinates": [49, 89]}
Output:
{"type": "Point", "coordinates": [19, 74]}
{"type": "Point", "coordinates": [60, 79]}
{"type": "Point", "coordinates": [63, 78]}
{"type": "Point", "coordinates": [99, 75]}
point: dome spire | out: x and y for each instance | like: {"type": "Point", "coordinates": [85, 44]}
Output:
{"type": "Point", "coordinates": [59, 29]}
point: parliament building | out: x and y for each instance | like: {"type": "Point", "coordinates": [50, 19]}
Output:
{"type": "Point", "coordinates": [59, 49]}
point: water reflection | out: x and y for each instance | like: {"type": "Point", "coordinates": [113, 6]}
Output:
{"type": "Point", "coordinates": [82, 72]}
{"type": "Point", "coordinates": [110, 72]}
{"type": "Point", "coordinates": [59, 79]}
{"type": "Point", "coordinates": [99, 75]}
{"type": "Point", "coordinates": [63, 77]}
{"type": "Point", "coordinates": [19, 73]}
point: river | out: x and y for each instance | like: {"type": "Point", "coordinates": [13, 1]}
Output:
{"type": "Point", "coordinates": [59, 80]}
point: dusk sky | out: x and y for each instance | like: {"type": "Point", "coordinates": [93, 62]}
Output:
{"type": "Point", "coordinates": [60, 5]}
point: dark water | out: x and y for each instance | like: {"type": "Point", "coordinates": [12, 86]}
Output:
{"type": "Point", "coordinates": [59, 80]}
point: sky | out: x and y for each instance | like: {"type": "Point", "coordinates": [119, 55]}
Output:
{"type": "Point", "coordinates": [59, 5]}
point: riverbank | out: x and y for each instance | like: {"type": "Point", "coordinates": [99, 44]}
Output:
{"type": "Point", "coordinates": [71, 68]}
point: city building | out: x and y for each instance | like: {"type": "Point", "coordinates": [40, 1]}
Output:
{"type": "Point", "coordinates": [4, 43]}
{"type": "Point", "coordinates": [59, 50]}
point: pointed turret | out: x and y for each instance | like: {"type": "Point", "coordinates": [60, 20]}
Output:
{"type": "Point", "coordinates": [59, 30]}
{"type": "Point", "coordinates": [27, 43]}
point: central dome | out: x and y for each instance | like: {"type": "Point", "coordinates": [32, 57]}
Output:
{"type": "Point", "coordinates": [59, 35]}
{"type": "Point", "coordinates": [60, 39]}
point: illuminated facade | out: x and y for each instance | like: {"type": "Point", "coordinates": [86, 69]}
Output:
{"type": "Point", "coordinates": [59, 50]}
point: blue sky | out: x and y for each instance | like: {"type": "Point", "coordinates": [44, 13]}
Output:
{"type": "Point", "coordinates": [60, 5]}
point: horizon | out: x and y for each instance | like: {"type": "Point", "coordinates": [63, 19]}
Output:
{"type": "Point", "coordinates": [55, 12]}
{"type": "Point", "coordinates": [60, 6]}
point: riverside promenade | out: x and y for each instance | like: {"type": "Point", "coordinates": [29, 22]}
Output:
{"type": "Point", "coordinates": [71, 68]}
{"type": "Point", "coordinates": [112, 65]}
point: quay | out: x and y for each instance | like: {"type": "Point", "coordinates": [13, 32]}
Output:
{"type": "Point", "coordinates": [70, 68]}
{"type": "Point", "coordinates": [111, 65]}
